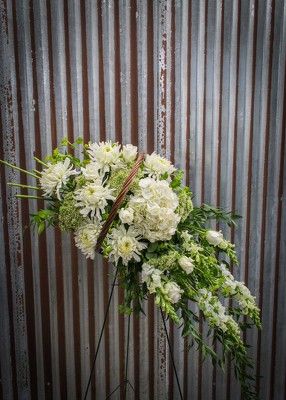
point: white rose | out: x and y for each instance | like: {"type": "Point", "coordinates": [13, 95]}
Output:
{"type": "Point", "coordinates": [173, 291]}
{"type": "Point", "coordinates": [186, 264]}
{"type": "Point", "coordinates": [129, 153]}
{"type": "Point", "coordinates": [214, 238]}
{"type": "Point", "coordinates": [126, 215]}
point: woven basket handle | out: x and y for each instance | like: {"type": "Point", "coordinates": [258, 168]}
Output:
{"type": "Point", "coordinates": [118, 201]}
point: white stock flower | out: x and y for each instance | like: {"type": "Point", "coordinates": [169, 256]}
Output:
{"type": "Point", "coordinates": [173, 291]}
{"type": "Point", "coordinates": [223, 244]}
{"type": "Point", "coordinates": [91, 171]}
{"type": "Point", "coordinates": [155, 281]}
{"type": "Point", "coordinates": [186, 264]}
{"type": "Point", "coordinates": [147, 271]}
{"type": "Point", "coordinates": [126, 215]}
{"type": "Point", "coordinates": [155, 165]}
{"type": "Point", "coordinates": [125, 245]}
{"type": "Point", "coordinates": [86, 238]}
{"type": "Point", "coordinates": [55, 176]}
{"type": "Point", "coordinates": [214, 238]}
{"type": "Point", "coordinates": [154, 207]}
{"type": "Point", "coordinates": [186, 236]}
{"type": "Point", "coordinates": [129, 153]}
{"type": "Point", "coordinates": [106, 154]}
{"type": "Point", "coordinates": [93, 198]}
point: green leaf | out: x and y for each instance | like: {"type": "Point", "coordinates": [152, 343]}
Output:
{"type": "Point", "coordinates": [152, 247]}
{"type": "Point", "coordinates": [65, 141]}
{"type": "Point", "coordinates": [41, 228]}
{"type": "Point", "coordinates": [79, 140]}
{"type": "Point", "coordinates": [149, 256]}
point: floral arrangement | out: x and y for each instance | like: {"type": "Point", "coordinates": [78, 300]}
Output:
{"type": "Point", "coordinates": [158, 241]}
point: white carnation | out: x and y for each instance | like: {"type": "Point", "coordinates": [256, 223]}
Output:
{"type": "Point", "coordinates": [86, 238]}
{"type": "Point", "coordinates": [154, 165]}
{"type": "Point", "coordinates": [173, 291]}
{"type": "Point", "coordinates": [106, 154]}
{"type": "Point", "coordinates": [93, 198]}
{"type": "Point", "coordinates": [55, 176]}
{"type": "Point", "coordinates": [125, 245]}
{"type": "Point", "coordinates": [186, 264]}
{"type": "Point", "coordinates": [126, 215]}
{"type": "Point", "coordinates": [129, 153]}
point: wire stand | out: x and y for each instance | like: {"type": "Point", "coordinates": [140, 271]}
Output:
{"type": "Point", "coordinates": [126, 381]}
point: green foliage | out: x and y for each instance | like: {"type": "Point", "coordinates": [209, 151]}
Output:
{"type": "Point", "coordinates": [44, 219]}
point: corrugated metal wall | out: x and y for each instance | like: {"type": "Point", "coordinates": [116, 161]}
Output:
{"type": "Point", "coordinates": [202, 82]}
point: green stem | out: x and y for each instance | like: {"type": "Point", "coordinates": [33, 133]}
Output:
{"type": "Point", "coordinates": [19, 169]}
{"type": "Point", "coordinates": [41, 162]}
{"type": "Point", "coordinates": [38, 172]}
{"type": "Point", "coordinates": [24, 196]}
{"type": "Point", "coordinates": [23, 186]}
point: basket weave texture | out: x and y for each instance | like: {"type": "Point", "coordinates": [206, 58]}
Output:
{"type": "Point", "coordinates": [119, 199]}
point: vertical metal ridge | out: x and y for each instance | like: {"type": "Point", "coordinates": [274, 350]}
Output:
{"type": "Point", "coordinates": [188, 116]}
{"type": "Point", "coordinates": [150, 79]}
{"type": "Point", "coordinates": [10, 366]}
{"type": "Point", "coordinates": [85, 90]}
{"type": "Point", "coordinates": [279, 235]}
{"type": "Point", "coordinates": [265, 176]}
{"type": "Point", "coordinates": [24, 205]}
{"type": "Point", "coordinates": [118, 107]}
{"type": "Point", "coordinates": [231, 377]}
{"type": "Point", "coordinates": [133, 74]}
{"type": "Point", "coordinates": [70, 125]}
{"type": "Point", "coordinates": [57, 328]}
{"type": "Point", "coordinates": [102, 126]}
{"type": "Point", "coordinates": [172, 80]}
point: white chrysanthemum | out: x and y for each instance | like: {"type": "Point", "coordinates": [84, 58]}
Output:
{"type": "Point", "coordinates": [86, 238]}
{"type": "Point", "coordinates": [93, 198]}
{"type": "Point", "coordinates": [106, 154]}
{"type": "Point", "coordinates": [91, 171]}
{"type": "Point", "coordinates": [129, 153]}
{"type": "Point", "coordinates": [154, 208]}
{"type": "Point", "coordinates": [55, 176]}
{"type": "Point", "coordinates": [155, 165]}
{"type": "Point", "coordinates": [125, 245]}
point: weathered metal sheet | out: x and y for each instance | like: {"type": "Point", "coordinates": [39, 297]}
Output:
{"type": "Point", "coordinates": [202, 82]}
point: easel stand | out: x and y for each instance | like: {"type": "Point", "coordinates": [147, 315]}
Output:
{"type": "Point", "coordinates": [126, 381]}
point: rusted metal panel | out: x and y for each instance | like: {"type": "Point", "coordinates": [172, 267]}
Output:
{"type": "Point", "coordinates": [202, 82]}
